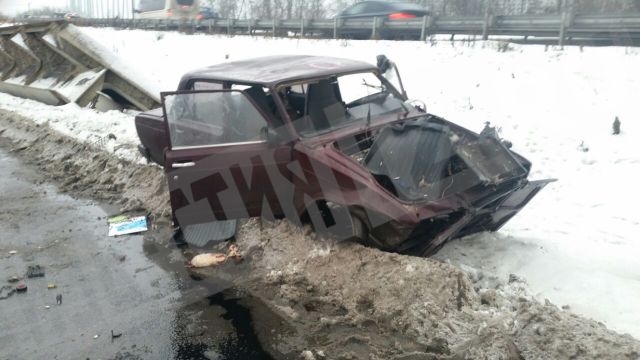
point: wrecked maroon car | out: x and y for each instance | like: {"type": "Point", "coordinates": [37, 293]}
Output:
{"type": "Point", "coordinates": [329, 141]}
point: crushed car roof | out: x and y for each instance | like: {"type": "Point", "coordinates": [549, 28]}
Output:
{"type": "Point", "coordinates": [273, 70]}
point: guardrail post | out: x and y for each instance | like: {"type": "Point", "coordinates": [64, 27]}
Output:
{"type": "Point", "coordinates": [335, 28]}
{"type": "Point", "coordinates": [565, 21]}
{"type": "Point", "coordinates": [562, 30]}
{"type": "Point", "coordinates": [374, 28]}
{"type": "Point", "coordinates": [249, 26]}
{"type": "Point", "coordinates": [423, 31]}
{"type": "Point", "coordinates": [229, 26]}
{"type": "Point", "coordinates": [488, 17]}
{"type": "Point", "coordinates": [302, 28]}
{"type": "Point", "coordinates": [273, 28]}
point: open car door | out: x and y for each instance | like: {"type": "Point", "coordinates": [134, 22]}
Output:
{"type": "Point", "coordinates": [219, 165]}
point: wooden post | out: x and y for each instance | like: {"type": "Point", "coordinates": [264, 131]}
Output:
{"type": "Point", "coordinates": [335, 28]}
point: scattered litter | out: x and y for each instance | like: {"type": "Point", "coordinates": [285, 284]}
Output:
{"type": "Point", "coordinates": [13, 279]}
{"type": "Point", "coordinates": [47, 306]}
{"type": "Point", "coordinates": [204, 260]}
{"type": "Point", "coordinates": [583, 147]}
{"type": "Point", "coordinates": [234, 253]}
{"type": "Point", "coordinates": [35, 271]}
{"type": "Point", "coordinates": [114, 336]}
{"type": "Point", "coordinates": [514, 278]}
{"type": "Point", "coordinates": [21, 288]}
{"type": "Point", "coordinates": [59, 299]}
{"type": "Point", "coordinates": [6, 291]}
{"type": "Point", "coordinates": [123, 224]}
{"type": "Point", "coordinates": [215, 259]}
{"type": "Point", "coordinates": [12, 252]}
{"type": "Point", "coordinates": [96, 336]}
{"type": "Point", "coordinates": [52, 286]}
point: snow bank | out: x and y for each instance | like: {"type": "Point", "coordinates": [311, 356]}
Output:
{"type": "Point", "coordinates": [86, 125]}
{"type": "Point", "coordinates": [575, 244]}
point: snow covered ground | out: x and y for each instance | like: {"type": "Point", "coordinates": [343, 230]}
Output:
{"type": "Point", "coordinates": [576, 244]}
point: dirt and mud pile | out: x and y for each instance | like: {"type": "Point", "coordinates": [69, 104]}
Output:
{"type": "Point", "coordinates": [341, 300]}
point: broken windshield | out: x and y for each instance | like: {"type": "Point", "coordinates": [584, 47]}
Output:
{"type": "Point", "coordinates": [334, 103]}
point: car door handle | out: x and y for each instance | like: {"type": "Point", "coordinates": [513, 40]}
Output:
{"type": "Point", "coordinates": [183, 164]}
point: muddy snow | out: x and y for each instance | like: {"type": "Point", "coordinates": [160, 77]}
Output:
{"type": "Point", "coordinates": [339, 300]}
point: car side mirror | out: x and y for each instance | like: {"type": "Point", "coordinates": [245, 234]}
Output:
{"type": "Point", "coordinates": [383, 63]}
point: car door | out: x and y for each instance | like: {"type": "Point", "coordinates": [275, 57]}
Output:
{"type": "Point", "coordinates": [219, 165]}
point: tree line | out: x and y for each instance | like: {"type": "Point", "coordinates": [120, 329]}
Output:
{"type": "Point", "coordinates": [319, 9]}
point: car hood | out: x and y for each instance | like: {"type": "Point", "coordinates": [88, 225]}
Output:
{"type": "Point", "coordinates": [426, 158]}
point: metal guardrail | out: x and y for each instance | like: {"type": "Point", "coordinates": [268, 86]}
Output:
{"type": "Point", "coordinates": [55, 63]}
{"type": "Point", "coordinates": [615, 28]}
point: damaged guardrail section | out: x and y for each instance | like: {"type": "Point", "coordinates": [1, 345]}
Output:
{"type": "Point", "coordinates": [55, 63]}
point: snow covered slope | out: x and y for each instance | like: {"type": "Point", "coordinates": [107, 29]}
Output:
{"type": "Point", "coordinates": [577, 243]}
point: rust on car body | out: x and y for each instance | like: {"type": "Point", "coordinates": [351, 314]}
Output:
{"type": "Point", "coordinates": [333, 142]}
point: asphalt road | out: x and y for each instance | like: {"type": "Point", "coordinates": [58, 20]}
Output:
{"type": "Point", "coordinates": [135, 285]}
{"type": "Point", "coordinates": [105, 283]}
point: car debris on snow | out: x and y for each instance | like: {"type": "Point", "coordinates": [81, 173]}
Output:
{"type": "Point", "coordinates": [35, 271]}
{"type": "Point", "coordinates": [6, 292]}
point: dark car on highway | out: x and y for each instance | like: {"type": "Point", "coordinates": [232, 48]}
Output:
{"type": "Point", "coordinates": [332, 142]}
{"type": "Point", "coordinates": [206, 13]}
{"type": "Point", "coordinates": [388, 9]}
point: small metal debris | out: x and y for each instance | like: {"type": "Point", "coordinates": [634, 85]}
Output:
{"type": "Point", "coordinates": [35, 271]}
{"type": "Point", "coordinates": [6, 291]}
{"type": "Point", "coordinates": [12, 252]}
{"type": "Point", "coordinates": [96, 336]}
{"type": "Point", "coordinates": [13, 279]}
{"type": "Point", "coordinates": [514, 278]}
{"type": "Point", "coordinates": [583, 147]}
{"type": "Point", "coordinates": [47, 306]}
{"type": "Point", "coordinates": [114, 336]}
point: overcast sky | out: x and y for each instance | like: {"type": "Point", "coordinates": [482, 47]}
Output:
{"type": "Point", "coordinates": [11, 7]}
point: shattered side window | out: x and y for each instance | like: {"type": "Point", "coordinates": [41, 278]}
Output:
{"type": "Point", "coordinates": [334, 103]}
{"type": "Point", "coordinates": [212, 118]}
